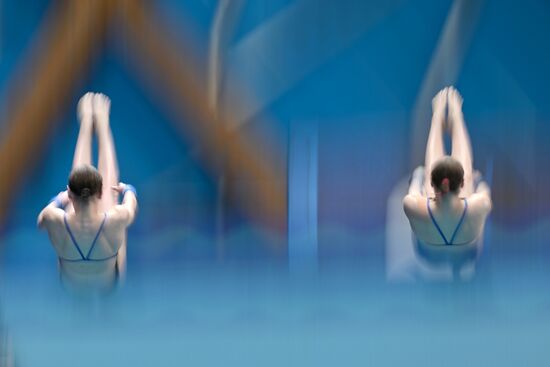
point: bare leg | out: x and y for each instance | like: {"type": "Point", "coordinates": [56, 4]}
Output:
{"type": "Point", "coordinates": [107, 161]}
{"type": "Point", "coordinates": [108, 168]}
{"type": "Point", "coordinates": [435, 148]}
{"type": "Point", "coordinates": [121, 262]}
{"type": "Point", "coordinates": [461, 146]}
{"type": "Point", "coordinates": [83, 149]}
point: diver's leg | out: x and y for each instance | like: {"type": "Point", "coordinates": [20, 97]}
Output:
{"type": "Point", "coordinates": [461, 146]}
{"type": "Point", "coordinates": [83, 149]}
{"type": "Point", "coordinates": [107, 161]}
{"type": "Point", "coordinates": [108, 168]}
{"type": "Point", "coordinates": [121, 263]}
{"type": "Point", "coordinates": [435, 148]}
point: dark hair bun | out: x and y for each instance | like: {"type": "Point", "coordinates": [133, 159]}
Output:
{"type": "Point", "coordinates": [445, 185]}
{"type": "Point", "coordinates": [447, 175]}
{"type": "Point", "coordinates": [85, 193]}
{"type": "Point", "coordinates": [85, 182]}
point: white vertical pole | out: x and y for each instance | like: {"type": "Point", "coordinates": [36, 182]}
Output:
{"type": "Point", "coordinates": [302, 195]}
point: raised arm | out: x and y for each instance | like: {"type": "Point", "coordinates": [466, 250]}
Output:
{"type": "Point", "coordinates": [54, 210]}
{"type": "Point", "coordinates": [126, 211]}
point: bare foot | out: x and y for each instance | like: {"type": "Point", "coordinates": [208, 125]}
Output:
{"type": "Point", "coordinates": [85, 108]}
{"type": "Point", "coordinates": [102, 107]}
{"type": "Point", "coordinates": [455, 105]}
{"type": "Point", "coordinates": [439, 102]}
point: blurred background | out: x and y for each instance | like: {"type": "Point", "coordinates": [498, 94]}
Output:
{"type": "Point", "coordinates": [271, 142]}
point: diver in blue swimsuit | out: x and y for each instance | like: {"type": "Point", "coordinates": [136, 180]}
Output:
{"type": "Point", "coordinates": [86, 223]}
{"type": "Point", "coordinates": [442, 205]}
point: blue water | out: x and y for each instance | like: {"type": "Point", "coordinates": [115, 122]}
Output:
{"type": "Point", "coordinates": [259, 314]}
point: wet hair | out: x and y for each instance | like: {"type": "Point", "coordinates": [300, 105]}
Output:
{"type": "Point", "coordinates": [85, 182]}
{"type": "Point", "coordinates": [447, 175]}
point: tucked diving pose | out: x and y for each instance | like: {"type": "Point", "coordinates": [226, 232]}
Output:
{"type": "Point", "coordinates": [442, 205]}
{"type": "Point", "coordinates": [85, 223]}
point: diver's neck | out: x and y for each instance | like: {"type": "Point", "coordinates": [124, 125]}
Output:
{"type": "Point", "coordinates": [86, 212]}
{"type": "Point", "coordinates": [448, 200]}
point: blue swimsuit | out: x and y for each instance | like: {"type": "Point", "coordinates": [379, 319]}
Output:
{"type": "Point", "coordinates": [457, 226]}
{"type": "Point", "coordinates": [87, 257]}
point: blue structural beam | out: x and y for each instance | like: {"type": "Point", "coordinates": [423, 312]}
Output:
{"type": "Point", "coordinates": [302, 195]}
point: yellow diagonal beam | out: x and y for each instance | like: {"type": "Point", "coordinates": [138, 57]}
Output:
{"type": "Point", "coordinates": [167, 65]}
{"type": "Point", "coordinates": [63, 51]}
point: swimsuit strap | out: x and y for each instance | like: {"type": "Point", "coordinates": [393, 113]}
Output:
{"type": "Point", "coordinates": [80, 260]}
{"type": "Point", "coordinates": [439, 228]}
{"type": "Point", "coordinates": [72, 237]}
{"type": "Point", "coordinates": [97, 236]}
{"type": "Point", "coordinates": [105, 258]}
{"type": "Point", "coordinates": [461, 220]}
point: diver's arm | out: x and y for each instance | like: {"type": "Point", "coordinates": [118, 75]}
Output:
{"type": "Point", "coordinates": [483, 196]}
{"type": "Point", "coordinates": [126, 211]}
{"type": "Point", "coordinates": [412, 202]}
{"type": "Point", "coordinates": [417, 178]}
{"type": "Point", "coordinates": [54, 210]}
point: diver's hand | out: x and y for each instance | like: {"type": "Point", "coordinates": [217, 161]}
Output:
{"type": "Point", "coordinates": [61, 200]}
{"type": "Point", "coordinates": [119, 188]}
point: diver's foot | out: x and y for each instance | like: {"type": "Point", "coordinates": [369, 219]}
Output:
{"type": "Point", "coordinates": [102, 107]}
{"type": "Point", "coordinates": [439, 102]}
{"type": "Point", "coordinates": [85, 108]}
{"type": "Point", "coordinates": [454, 106]}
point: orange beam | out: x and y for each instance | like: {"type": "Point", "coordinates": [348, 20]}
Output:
{"type": "Point", "coordinates": [169, 68]}
{"type": "Point", "coordinates": [63, 51]}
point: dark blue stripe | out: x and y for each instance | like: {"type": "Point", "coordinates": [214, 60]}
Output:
{"type": "Point", "coordinates": [72, 236]}
{"type": "Point", "coordinates": [80, 260]}
{"type": "Point", "coordinates": [439, 228]}
{"type": "Point", "coordinates": [97, 236]}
